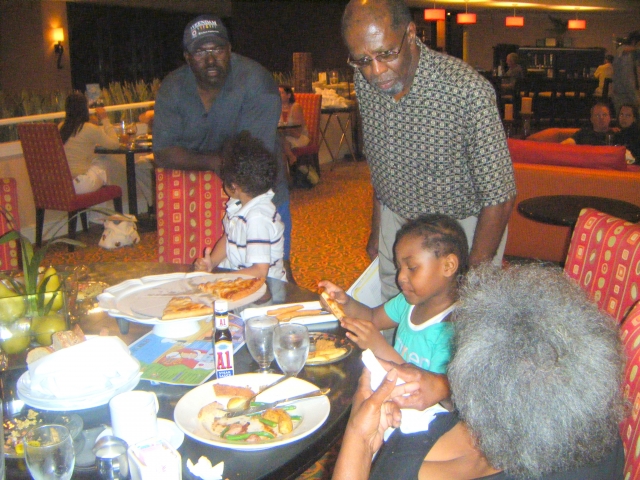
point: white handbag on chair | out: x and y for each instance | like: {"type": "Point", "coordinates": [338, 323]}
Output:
{"type": "Point", "coordinates": [119, 231]}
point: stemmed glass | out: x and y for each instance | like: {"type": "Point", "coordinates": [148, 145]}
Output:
{"type": "Point", "coordinates": [258, 333]}
{"type": "Point", "coordinates": [291, 347]}
{"type": "Point", "coordinates": [48, 450]}
{"type": "Point", "coordinates": [131, 129]}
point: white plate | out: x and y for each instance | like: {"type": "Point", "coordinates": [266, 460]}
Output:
{"type": "Point", "coordinates": [71, 403]}
{"type": "Point", "coordinates": [142, 300]}
{"type": "Point", "coordinates": [310, 320]}
{"type": "Point", "coordinates": [167, 430]}
{"type": "Point", "coordinates": [314, 411]}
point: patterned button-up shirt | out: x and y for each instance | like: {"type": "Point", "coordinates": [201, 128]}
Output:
{"type": "Point", "coordinates": [441, 148]}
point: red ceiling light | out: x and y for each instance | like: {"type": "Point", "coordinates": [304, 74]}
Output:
{"type": "Point", "coordinates": [466, 18]}
{"type": "Point", "coordinates": [514, 21]}
{"type": "Point", "coordinates": [434, 14]}
{"type": "Point", "coordinates": [577, 24]}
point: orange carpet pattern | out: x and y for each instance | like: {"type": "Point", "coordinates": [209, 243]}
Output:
{"type": "Point", "coordinates": [330, 230]}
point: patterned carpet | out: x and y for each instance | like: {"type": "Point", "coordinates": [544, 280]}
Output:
{"type": "Point", "coordinates": [330, 229]}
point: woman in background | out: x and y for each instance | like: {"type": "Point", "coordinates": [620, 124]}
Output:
{"type": "Point", "coordinates": [80, 138]}
{"type": "Point", "coordinates": [294, 137]}
{"type": "Point", "coordinates": [629, 134]}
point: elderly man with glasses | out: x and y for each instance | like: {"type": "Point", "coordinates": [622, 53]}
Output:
{"type": "Point", "coordinates": [217, 95]}
{"type": "Point", "coordinates": [432, 135]}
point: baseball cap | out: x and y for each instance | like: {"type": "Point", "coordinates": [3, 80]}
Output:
{"type": "Point", "coordinates": [203, 29]}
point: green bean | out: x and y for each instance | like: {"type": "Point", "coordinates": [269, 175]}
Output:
{"type": "Point", "coordinates": [241, 436]}
{"type": "Point", "coordinates": [288, 407]}
{"type": "Point", "coordinates": [268, 422]}
{"type": "Point", "coordinates": [226, 429]}
{"type": "Point", "coordinates": [295, 417]}
{"type": "Point", "coordinates": [257, 404]}
{"type": "Point", "coordinates": [264, 434]}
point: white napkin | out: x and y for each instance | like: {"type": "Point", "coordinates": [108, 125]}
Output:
{"type": "Point", "coordinates": [205, 470]}
{"type": "Point", "coordinates": [99, 364]}
{"type": "Point", "coordinates": [309, 320]}
{"type": "Point", "coordinates": [331, 99]}
{"type": "Point", "coordinates": [412, 420]}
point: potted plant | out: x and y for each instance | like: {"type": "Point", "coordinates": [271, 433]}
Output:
{"type": "Point", "coordinates": [33, 301]}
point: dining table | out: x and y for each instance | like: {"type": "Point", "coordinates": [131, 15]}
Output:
{"type": "Point", "coordinates": [129, 151]}
{"type": "Point", "coordinates": [280, 462]}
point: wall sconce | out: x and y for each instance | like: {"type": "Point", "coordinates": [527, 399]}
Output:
{"type": "Point", "coordinates": [577, 24]}
{"type": "Point", "coordinates": [58, 37]}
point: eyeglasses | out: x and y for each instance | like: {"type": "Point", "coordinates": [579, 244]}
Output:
{"type": "Point", "coordinates": [384, 57]}
{"type": "Point", "coordinates": [202, 53]}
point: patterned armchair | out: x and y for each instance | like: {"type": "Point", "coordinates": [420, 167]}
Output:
{"type": "Point", "coordinates": [604, 258]}
{"type": "Point", "coordinates": [9, 220]}
{"type": "Point", "coordinates": [190, 208]}
{"type": "Point", "coordinates": [630, 426]}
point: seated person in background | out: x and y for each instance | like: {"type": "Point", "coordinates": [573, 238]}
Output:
{"type": "Point", "coordinates": [292, 114]}
{"type": "Point", "coordinates": [536, 379]}
{"type": "Point", "coordinates": [80, 138]}
{"type": "Point", "coordinates": [432, 255]}
{"type": "Point", "coordinates": [629, 134]}
{"type": "Point", "coordinates": [596, 134]}
{"type": "Point", "coordinates": [514, 69]}
{"type": "Point", "coordinates": [253, 242]}
{"type": "Point", "coordinates": [603, 72]}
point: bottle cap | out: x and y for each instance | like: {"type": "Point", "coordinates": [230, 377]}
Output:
{"type": "Point", "coordinates": [221, 306]}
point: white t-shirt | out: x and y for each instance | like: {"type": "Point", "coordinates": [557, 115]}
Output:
{"type": "Point", "coordinates": [80, 147]}
{"type": "Point", "coordinates": [255, 234]}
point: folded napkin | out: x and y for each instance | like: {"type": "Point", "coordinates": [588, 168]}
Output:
{"type": "Point", "coordinates": [331, 99]}
{"type": "Point", "coordinates": [412, 420]}
{"type": "Point", "coordinates": [99, 364]}
{"type": "Point", "coordinates": [308, 320]}
{"type": "Point", "coordinates": [205, 470]}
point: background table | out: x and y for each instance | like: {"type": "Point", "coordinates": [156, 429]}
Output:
{"type": "Point", "coordinates": [564, 210]}
{"type": "Point", "coordinates": [348, 135]}
{"type": "Point", "coordinates": [132, 192]}
{"type": "Point", "coordinates": [285, 462]}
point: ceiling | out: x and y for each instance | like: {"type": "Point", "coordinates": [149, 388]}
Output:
{"type": "Point", "coordinates": [543, 5]}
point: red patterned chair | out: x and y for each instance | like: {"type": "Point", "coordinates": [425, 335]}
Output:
{"type": "Point", "coordinates": [604, 258]}
{"type": "Point", "coordinates": [311, 108]}
{"type": "Point", "coordinates": [190, 206]}
{"type": "Point", "coordinates": [51, 180]}
{"type": "Point", "coordinates": [9, 220]}
{"type": "Point", "coordinates": [630, 426]}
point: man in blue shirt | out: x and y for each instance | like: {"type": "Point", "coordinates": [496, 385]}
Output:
{"type": "Point", "coordinates": [215, 96]}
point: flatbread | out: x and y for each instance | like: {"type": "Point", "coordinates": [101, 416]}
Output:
{"type": "Point", "coordinates": [333, 306]}
{"type": "Point", "coordinates": [232, 289]}
{"type": "Point", "coordinates": [184, 307]}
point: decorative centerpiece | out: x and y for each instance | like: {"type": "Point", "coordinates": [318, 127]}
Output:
{"type": "Point", "coordinates": [33, 303]}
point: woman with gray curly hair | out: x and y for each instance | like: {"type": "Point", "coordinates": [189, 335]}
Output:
{"type": "Point", "coordinates": [535, 376]}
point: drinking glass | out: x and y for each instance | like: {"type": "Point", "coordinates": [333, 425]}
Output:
{"type": "Point", "coordinates": [48, 450]}
{"type": "Point", "coordinates": [291, 347]}
{"type": "Point", "coordinates": [258, 332]}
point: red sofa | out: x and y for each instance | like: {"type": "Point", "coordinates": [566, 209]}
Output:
{"type": "Point", "coordinates": [542, 169]}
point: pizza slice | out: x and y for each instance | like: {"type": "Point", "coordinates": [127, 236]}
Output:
{"type": "Point", "coordinates": [184, 307]}
{"type": "Point", "coordinates": [232, 289]}
{"type": "Point", "coordinates": [333, 306]}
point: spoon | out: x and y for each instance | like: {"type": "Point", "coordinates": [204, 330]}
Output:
{"type": "Point", "coordinates": [236, 404]}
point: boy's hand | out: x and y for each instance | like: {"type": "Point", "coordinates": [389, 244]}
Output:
{"type": "Point", "coordinates": [334, 292]}
{"type": "Point", "coordinates": [364, 334]}
{"type": "Point", "coordinates": [204, 264]}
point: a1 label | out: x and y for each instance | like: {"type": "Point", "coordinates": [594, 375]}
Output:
{"type": "Point", "coordinates": [224, 359]}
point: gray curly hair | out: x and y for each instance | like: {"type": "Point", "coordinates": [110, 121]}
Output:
{"type": "Point", "coordinates": [536, 372]}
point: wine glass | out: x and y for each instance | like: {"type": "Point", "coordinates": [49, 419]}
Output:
{"type": "Point", "coordinates": [131, 129]}
{"type": "Point", "coordinates": [48, 450]}
{"type": "Point", "coordinates": [258, 332]}
{"type": "Point", "coordinates": [291, 347]}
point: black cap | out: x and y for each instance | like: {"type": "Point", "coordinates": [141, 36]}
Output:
{"type": "Point", "coordinates": [203, 29]}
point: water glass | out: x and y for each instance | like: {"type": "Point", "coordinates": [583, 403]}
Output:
{"type": "Point", "coordinates": [48, 450]}
{"type": "Point", "coordinates": [258, 332]}
{"type": "Point", "coordinates": [291, 347]}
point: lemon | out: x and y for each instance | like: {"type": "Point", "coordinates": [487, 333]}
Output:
{"type": "Point", "coordinates": [11, 304]}
{"type": "Point", "coordinates": [43, 327]}
{"type": "Point", "coordinates": [15, 344]}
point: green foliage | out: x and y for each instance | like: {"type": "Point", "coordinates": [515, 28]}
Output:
{"type": "Point", "coordinates": [558, 25]}
{"type": "Point", "coordinates": [31, 103]}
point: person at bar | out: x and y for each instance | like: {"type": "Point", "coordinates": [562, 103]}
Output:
{"type": "Point", "coordinates": [514, 71]}
{"type": "Point", "coordinates": [536, 379]}
{"type": "Point", "coordinates": [216, 95]}
{"type": "Point", "coordinates": [433, 136]}
{"type": "Point", "coordinates": [597, 133]}
{"type": "Point", "coordinates": [625, 72]}
{"type": "Point", "coordinates": [603, 72]}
